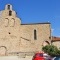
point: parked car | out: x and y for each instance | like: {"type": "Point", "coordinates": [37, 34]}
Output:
{"type": "Point", "coordinates": [56, 58]}
{"type": "Point", "coordinates": [47, 57]}
{"type": "Point", "coordinates": [38, 56]}
{"type": "Point", "coordinates": [41, 56]}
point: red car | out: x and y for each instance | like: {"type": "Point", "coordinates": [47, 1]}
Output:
{"type": "Point", "coordinates": [38, 56]}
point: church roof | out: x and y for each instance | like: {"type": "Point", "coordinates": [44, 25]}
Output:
{"type": "Point", "coordinates": [37, 23]}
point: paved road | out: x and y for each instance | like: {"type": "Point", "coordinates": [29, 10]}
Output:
{"type": "Point", "coordinates": [15, 58]}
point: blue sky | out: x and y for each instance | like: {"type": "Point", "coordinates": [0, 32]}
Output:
{"type": "Point", "coordinates": [36, 11]}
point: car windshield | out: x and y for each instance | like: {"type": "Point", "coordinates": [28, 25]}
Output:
{"type": "Point", "coordinates": [39, 55]}
{"type": "Point", "coordinates": [57, 58]}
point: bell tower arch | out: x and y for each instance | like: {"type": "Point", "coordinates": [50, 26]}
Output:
{"type": "Point", "coordinates": [8, 7]}
{"type": "Point", "coordinates": [10, 17]}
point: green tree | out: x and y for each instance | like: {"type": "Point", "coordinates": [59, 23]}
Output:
{"type": "Point", "coordinates": [51, 50]}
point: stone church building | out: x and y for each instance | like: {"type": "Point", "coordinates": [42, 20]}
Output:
{"type": "Point", "coordinates": [16, 37]}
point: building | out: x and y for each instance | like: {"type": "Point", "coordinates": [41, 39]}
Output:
{"type": "Point", "coordinates": [56, 41]}
{"type": "Point", "coordinates": [16, 37]}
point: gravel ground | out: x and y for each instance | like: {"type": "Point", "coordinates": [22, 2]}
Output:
{"type": "Point", "coordinates": [15, 58]}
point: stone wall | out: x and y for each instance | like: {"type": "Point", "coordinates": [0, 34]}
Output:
{"type": "Point", "coordinates": [57, 44]}
{"type": "Point", "coordinates": [18, 37]}
{"type": "Point", "coordinates": [42, 32]}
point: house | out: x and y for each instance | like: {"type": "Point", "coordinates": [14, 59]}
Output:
{"type": "Point", "coordinates": [56, 41]}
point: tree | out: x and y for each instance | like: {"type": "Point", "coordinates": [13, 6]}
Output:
{"type": "Point", "coordinates": [51, 50]}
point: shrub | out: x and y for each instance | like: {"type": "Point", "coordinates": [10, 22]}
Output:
{"type": "Point", "coordinates": [51, 50]}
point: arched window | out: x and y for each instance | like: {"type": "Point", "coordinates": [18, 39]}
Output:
{"type": "Point", "coordinates": [9, 7]}
{"type": "Point", "coordinates": [12, 22]}
{"type": "Point", "coordinates": [6, 22]}
{"type": "Point", "coordinates": [10, 13]}
{"type": "Point", "coordinates": [35, 35]}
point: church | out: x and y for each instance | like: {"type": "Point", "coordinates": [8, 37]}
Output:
{"type": "Point", "coordinates": [16, 37]}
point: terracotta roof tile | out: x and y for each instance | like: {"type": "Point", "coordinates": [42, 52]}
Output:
{"type": "Point", "coordinates": [55, 38]}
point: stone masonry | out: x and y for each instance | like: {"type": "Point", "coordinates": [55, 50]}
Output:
{"type": "Point", "coordinates": [16, 37]}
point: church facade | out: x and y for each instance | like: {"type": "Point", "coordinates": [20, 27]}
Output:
{"type": "Point", "coordinates": [16, 37]}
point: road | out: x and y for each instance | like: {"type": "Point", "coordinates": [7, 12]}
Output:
{"type": "Point", "coordinates": [15, 58]}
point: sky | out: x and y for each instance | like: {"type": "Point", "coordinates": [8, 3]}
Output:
{"type": "Point", "coordinates": [37, 11]}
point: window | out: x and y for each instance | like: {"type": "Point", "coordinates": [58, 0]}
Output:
{"type": "Point", "coordinates": [39, 55]}
{"type": "Point", "coordinates": [10, 13]}
{"type": "Point", "coordinates": [9, 7]}
{"type": "Point", "coordinates": [12, 22]}
{"type": "Point", "coordinates": [35, 35]}
{"type": "Point", "coordinates": [6, 22]}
